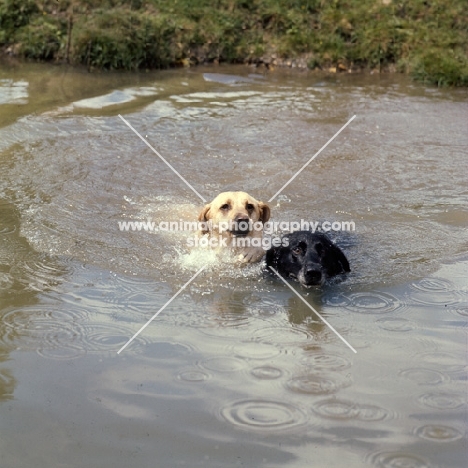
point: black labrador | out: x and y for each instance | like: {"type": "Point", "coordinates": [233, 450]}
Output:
{"type": "Point", "coordinates": [308, 257]}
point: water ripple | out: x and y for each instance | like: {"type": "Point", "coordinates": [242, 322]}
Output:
{"type": "Point", "coordinates": [136, 284]}
{"type": "Point", "coordinates": [313, 384]}
{"type": "Point", "coordinates": [397, 460]}
{"type": "Point", "coordinates": [100, 337]}
{"type": "Point", "coordinates": [432, 285]}
{"type": "Point", "coordinates": [52, 333]}
{"type": "Point", "coordinates": [450, 362]}
{"type": "Point", "coordinates": [326, 361]}
{"type": "Point", "coordinates": [264, 415]}
{"type": "Point", "coordinates": [252, 350]}
{"type": "Point", "coordinates": [460, 309]}
{"type": "Point", "coordinates": [266, 372]}
{"type": "Point", "coordinates": [335, 300]}
{"type": "Point", "coordinates": [193, 376]}
{"type": "Point", "coordinates": [424, 376]}
{"type": "Point", "coordinates": [395, 324]}
{"type": "Point", "coordinates": [213, 325]}
{"type": "Point", "coordinates": [442, 400]}
{"type": "Point", "coordinates": [373, 303]}
{"type": "Point", "coordinates": [434, 291]}
{"type": "Point", "coordinates": [438, 433]}
{"type": "Point", "coordinates": [345, 409]}
{"type": "Point", "coordinates": [281, 335]}
{"type": "Point", "coordinates": [39, 272]}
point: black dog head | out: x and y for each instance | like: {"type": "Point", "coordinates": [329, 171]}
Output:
{"type": "Point", "coordinates": [309, 257]}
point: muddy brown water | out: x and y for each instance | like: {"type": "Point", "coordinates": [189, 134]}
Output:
{"type": "Point", "coordinates": [236, 371]}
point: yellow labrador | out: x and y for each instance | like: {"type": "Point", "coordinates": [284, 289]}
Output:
{"type": "Point", "coordinates": [235, 220]}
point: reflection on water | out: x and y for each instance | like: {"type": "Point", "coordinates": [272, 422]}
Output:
{"type": "Point", "coordinates": [236, 370]}
{"type": "Point", "coordinates": [13, 92]}
{"type": "Point", "coordinates": [114, 98]}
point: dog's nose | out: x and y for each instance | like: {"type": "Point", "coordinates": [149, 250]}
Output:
{"type": "Point", "coordinates": [312, 275]}
{"type": "Point", "coordinates": [241, 225]}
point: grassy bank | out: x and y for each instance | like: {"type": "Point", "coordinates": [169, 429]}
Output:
{"type": "Point", "coordinates": [426, 38]}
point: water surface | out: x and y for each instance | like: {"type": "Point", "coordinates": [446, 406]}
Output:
{"type": "Point", "coordinates": [236, 371]}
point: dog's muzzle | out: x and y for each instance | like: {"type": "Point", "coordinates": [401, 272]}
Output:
{"type": "Point", "coordinates": [240, 227]}
{"type": "Point", "coordinates": [311, 275]}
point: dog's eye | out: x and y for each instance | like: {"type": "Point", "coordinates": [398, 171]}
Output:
{"type": "Point", "coordinates": [225, 207]}
{"type": "Point", "coordinates": [300, 249]}
{"type": "Point", "coordinates": [249, 207]}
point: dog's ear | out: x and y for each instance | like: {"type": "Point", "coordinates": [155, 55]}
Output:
{"type": "Point", "coordinates": [335, 261]}
{"type": "Point", "coordinates": [203, 217]}
{"type": "Point", "coordinates": [264, 212]}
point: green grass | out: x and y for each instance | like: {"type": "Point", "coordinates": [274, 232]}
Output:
{"type": "Point", "coordinates": [425, 38]}
{"type": "Point", "coordinates": [122, 39]}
